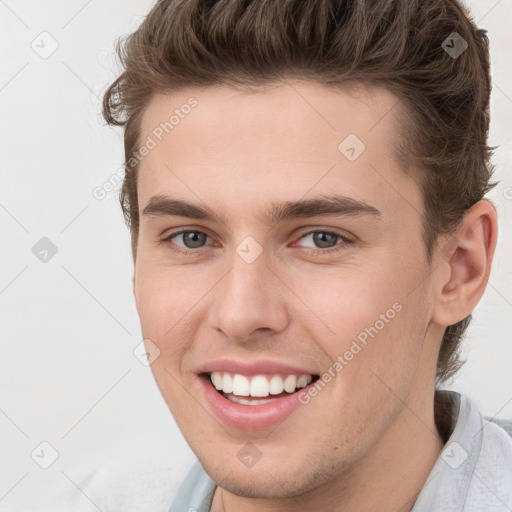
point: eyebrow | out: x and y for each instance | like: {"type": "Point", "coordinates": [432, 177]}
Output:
{"type": "Point", "coordinates": [278, 212]}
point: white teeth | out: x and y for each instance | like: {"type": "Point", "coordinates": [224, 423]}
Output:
{"type": "Point", "coordinates": [227, 383]}
{"type": "Point", "coordinates": [303, 381]}
{"type": "Point", "coordinates": [276, 385]}
{"type": "Point", "coordinates": [217, 380]}
{"type": "Point", "coordinates": [244, 401]}
{"type": "Point", "coordinates": [290, 383]}
{"type": "Point", "coordinates": [240, 385]}
{"type": "Point", "coordinates": [257, 386]}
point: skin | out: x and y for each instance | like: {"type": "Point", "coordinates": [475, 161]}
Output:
{"type": "Point", "coordinates": [371, 429]}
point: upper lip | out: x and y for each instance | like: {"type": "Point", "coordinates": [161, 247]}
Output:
{"type": "Point", "coordinates": [254, 367]}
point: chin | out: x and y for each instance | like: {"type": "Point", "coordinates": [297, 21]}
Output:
{"type": "Point", "coordinates": [275, 479]}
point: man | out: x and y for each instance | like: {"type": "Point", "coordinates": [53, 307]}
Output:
{"type": "Point", "coordinates": [305, 187]}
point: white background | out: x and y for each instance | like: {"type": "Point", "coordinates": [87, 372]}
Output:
{"type": "Point", "coordinates": [69, 326]}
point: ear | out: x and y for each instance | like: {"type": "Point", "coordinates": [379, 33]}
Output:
{"type": "Point", "coordinates": [466, 258]}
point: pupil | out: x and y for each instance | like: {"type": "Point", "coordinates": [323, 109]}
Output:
{"type": "Point", "coordinates": [193, 239]}
{"type": "Point", "coordinates": [319, 239]}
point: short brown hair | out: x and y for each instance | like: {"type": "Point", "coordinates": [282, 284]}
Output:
{"type": "Point", "coordinates": [398, 44]}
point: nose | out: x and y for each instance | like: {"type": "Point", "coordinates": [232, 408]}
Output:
{"type": "Point", "coordinates": [249, 300]}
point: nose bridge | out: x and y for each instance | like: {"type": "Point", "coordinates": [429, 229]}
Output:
{"type": "Point", "coordinates": [245, 282]}
{"type": "Point", "coordinates": [249, 273]}
{"type": "Point", "coordinates": [246, 301]}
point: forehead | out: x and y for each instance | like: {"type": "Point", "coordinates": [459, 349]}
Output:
{"type": "Point", "coordinates": [293, 109]}
{"type": "Point", "coordinates": [283, 140]}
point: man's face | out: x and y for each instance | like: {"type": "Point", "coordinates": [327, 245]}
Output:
{"type": "Point", "coordinates": [286, 295]}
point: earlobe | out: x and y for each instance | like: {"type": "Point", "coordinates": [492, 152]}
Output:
{"type": "Point", "coordinates": [466, 257]}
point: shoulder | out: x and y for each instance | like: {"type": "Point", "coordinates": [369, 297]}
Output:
{"type": "Point", "coordinates": [195, 492]}
{"type": "Point", "coordinates": [491, 481]}
{"type": "Point", "coordinates": [506, 425]}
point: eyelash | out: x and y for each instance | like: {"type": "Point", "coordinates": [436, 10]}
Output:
{"type": "Point", "coordinates": [337, 248]}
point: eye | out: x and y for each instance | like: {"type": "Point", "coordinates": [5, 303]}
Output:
{"type": "Point", "coordinates": [191, 239]}
{"type": "Point", "coordinates": [326, 241]}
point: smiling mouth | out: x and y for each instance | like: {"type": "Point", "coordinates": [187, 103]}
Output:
{"type": "Point", "coordinates": [257, 389]}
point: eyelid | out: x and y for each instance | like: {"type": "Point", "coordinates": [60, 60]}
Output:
{"type": "Point", "coordinates": [345, 240]}
{"type": "Point", "coordinates": [329, 231]}
{"type": "Point", "coordinates": [168, 238]}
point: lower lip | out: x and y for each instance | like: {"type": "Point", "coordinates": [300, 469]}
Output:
{"type": "Point", "coordinates": [250, 417]}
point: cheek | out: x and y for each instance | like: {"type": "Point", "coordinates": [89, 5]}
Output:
{"type": "Point", "coordinates": [165, 295]}
{"type": "Point", "coordinates": [375, 315]}
{"type": "Point", "coordinates": [164, 304]}
{"type": "Point", "coordinates": [348, 300]}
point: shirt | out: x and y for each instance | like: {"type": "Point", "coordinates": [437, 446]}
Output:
{"type": "Point", "coordinates": [472, 473]}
